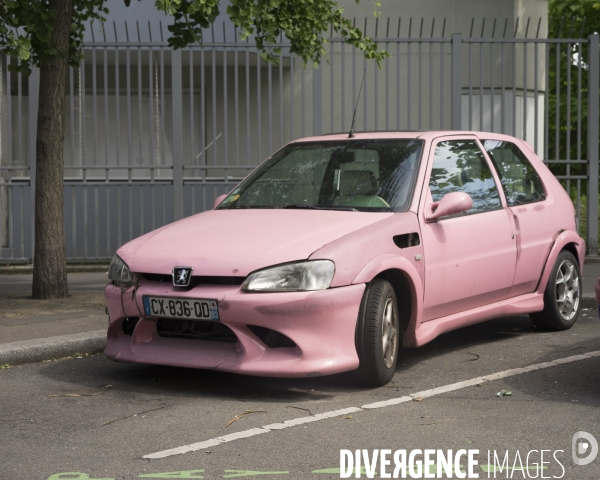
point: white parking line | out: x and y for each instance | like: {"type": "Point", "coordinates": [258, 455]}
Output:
{"type": "Point", "coordinates": [371, 406]}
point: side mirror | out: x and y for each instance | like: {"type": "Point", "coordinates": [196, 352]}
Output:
{"type": "Point", "coordinates": [219, 199]}
{"type": "Point", "coordinates": [450, 204]}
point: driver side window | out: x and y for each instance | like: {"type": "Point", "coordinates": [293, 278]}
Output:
{"type": "Point", "coordinates": [459, 166]}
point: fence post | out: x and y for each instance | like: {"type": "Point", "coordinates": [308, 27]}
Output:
{"type": "Point", "coordinates": [593, 87]}
{"type": "Point", "coordinates": [34, 95]}
{"type": "Point", "coordinates": [456, 82]}
{"type": "Point", "coordinates": [317, 101]}
{"type": "Point", "coordinates": [177, 135]}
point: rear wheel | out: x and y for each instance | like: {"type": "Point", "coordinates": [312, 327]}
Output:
{"type": "Point", "coordinates": [377, 334]}
{"type": "Point", "coordinates": [562, 295]}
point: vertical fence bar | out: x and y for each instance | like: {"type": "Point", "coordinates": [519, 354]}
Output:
{"type": "Point", "coordinates": [568, 121]}
{"type": "Point", "coordinates": [456, 80]}
{"type": "Point", "coordinates": [177, 135]}
{"type": "Point", "coordinates": [535, 98]}
{"type": "Point", "coordinates": [525, 92]}
{"type": "Point", "coordinates": [593, 138]}
{"type": "Point", "coordinates": [492, 98]}
{"type": "Point", "coordinates": [317, 101]}
{"type": "Point", "coordinates": [481, 86]}
{"type": "Point", "coordinates": [547, 106]}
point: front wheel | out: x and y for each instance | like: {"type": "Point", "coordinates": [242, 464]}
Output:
{"type": "Point", "coordinates": [562, 295]}
{"type": "Point", "coordinates": [377, 334]}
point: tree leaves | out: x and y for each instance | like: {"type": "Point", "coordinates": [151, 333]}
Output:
{"type": "Point", "coordinates": [303, 23]}
{"type": "Point", "coordinates": [26, 27]}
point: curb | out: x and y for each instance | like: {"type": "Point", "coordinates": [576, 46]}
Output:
{"type": "Point", "coordinates": [588, 302]}
{"type": "Point", "coordinates": [591, 259]}
{"type": "Point", "coordinates": [31, 351]}
{"type": "Point", "coordinates": [28, 269]}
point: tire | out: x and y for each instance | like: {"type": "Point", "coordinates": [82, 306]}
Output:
{"type": "Point", "coordinates": [562, 295]}
{"type": "Point", "coordinates": [377, 334]}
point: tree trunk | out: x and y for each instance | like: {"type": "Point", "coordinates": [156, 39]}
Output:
{"type": "Point", "coordinates": [49, 261]}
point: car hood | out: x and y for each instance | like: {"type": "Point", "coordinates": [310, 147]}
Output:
{"type": "Point", "coordinates": [237, 242]}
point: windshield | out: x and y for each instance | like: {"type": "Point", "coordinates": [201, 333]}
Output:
{"type": "Point", "coordinates": [371, 175]}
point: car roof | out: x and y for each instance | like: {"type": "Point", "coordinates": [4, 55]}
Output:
{"type": "Point", "coordinates": [390, 134]}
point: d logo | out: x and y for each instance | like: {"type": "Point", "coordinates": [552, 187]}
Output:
{"type": "Point", "coordinates": [585, 450]}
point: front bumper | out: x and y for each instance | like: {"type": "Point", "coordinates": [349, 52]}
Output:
{"type": "Point", "coordinates": [321, 324]}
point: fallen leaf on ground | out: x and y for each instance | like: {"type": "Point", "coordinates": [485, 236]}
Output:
{"type": "Point", "coordinates": [418, 399]}
{"type": "Point", "coordinates": [80, 394]}
{"type": "Point", "coordinates": [299, 408]}
{"type": "Point", "coordinates": [135, 415]}
{"type": "Point", "coordinates": [432, 423]}
{"type": "Point", "coordinates": [247, 412]}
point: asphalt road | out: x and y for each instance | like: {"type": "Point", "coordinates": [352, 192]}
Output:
{"type": "Point", "coordinates": [98, 419]}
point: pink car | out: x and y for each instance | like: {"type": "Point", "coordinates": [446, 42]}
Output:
{"type": "Point", "coordinates": [338, 249]}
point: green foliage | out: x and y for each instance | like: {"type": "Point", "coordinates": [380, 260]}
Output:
{"type": "Point", "coordinates": [569, 18]}
{"type": "Point", "coordinates": [26, 27]}
{"type": "Point", "coordinates": [302, 22]}
{"type": "Point", "coordinates": [190, 16]}
{"type": "Point", "coordinates": [567, 139]}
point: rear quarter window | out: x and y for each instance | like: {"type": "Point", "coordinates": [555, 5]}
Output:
{"type": "Point", "coordinates": [520, 182]}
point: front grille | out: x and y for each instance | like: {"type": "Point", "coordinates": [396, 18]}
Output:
{"type": "Point", "coordinates": [195, 329]}
{"type": "Point", "coordinates": [196, 280]}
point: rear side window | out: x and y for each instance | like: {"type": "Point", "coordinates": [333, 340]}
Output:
{"type": "Point", "coordinates": [520, 181]}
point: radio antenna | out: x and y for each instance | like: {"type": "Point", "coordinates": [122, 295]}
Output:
{"type": "Point", "coordinates": [351, 134]}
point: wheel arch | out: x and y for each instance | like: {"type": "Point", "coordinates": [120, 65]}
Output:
{"type": "Point", "coordinates": [403, 290]}
{"type": "Point", "coordinates": [566, 240]}
{"type": "Point", "coordinates": [408, 287]}
{"type": "Point", "coordinates": [571, 247]}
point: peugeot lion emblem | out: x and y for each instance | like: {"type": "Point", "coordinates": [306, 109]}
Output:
{"type": "Point", "coordinates": [182, 276]}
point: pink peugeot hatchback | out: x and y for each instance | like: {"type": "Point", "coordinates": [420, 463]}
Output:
{"type": "Point", "coordinates": [337, 249]}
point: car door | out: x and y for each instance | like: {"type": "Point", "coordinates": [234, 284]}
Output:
{"type": "Point", "coordinates": [469, 258]}
{"type": "Point", "coordinates": [534, 217]}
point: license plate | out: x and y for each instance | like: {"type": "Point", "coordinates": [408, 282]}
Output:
{"type": "Point", "coordinates": [172, 307]}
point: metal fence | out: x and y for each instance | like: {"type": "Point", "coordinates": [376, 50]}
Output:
{"type": "Point", "coordinates": [154, 135]}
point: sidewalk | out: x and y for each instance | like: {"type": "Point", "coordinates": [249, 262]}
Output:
{"type": "Point", "coordinates": [32, 331]}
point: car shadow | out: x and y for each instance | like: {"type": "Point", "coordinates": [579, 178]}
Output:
{"type": "Point", "coordinates": [141, 379]}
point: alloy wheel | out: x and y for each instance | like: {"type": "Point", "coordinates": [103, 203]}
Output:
{"type": "Point", "coordinates": [567, 289]}
{"type": "Point", "coordinates": [389, 336]}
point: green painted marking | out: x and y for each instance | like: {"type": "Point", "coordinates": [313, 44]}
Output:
{"type": "Point", "coordinates": [337, 470]}
{"type": "Point", "coordinates": [249, 473]}
{"type": "Point", "coordinates": [494, 468]}
{"type": "Point", "coordinates": [433, 469]}
{"type": "Point", "coordinates": [183, 474]}
{"type": "Point", "coordinates": [74, 476]}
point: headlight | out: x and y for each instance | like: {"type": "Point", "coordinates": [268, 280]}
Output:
{"type": "Point", "coordinates": [293, 277]}
{"type": "Point", "coordinates": [119, 273]}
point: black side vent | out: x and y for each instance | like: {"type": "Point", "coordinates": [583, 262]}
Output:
{"type": "Point", "coordinates": [129, 325]}
{"type": "Point", "coordinates": [271, 338]}
{"type": "Point", "coordinates": [407, 240]}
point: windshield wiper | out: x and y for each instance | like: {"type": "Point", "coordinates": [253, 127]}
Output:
{"type": "Point", "coordinates": [246, 207]}
{"type": "Point", "coordinates": [312, 207]}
